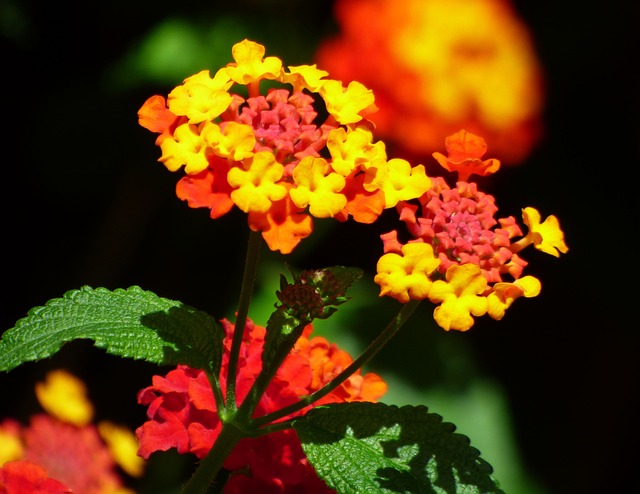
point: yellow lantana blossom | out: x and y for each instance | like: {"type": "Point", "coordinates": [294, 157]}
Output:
{"type": "Point", "coordinates": [504, 294]}
{"type": "Point", "coordinates": [200, 97]}
{"type": "Point", "coordinates": [65, 397]}
{"type": "Point", "coordinates": [317, 187]}
{"type": "Point", "coordinates": [315, 163]}
{"type": "Point", "coordinates": [406, 276]}
{"type": "Point", "coordinates": [305, 77]}
{"type": "Point", "coordinates": [235, 141]}
{"type": "Point", "coordinates": [349, 148]}
{"type": "Point", "coordinates": [186, 147]}
{"type": "Point", "coordinates": [347, 105]}
{"type": "Point", "coordinates": [399, 181]}
{"type": "Point", "coordinates": [256, 183]}
{"type": "Point", "coordinates": [460, 297]}
{"type": "Point", "coordinates": [249, 64]}
{"type": "Point", "coordinates": [123, 446]}
{"type": "Point", "coordinates": [546, 236]}
{"type": "Point", "coordinates": [11, 448]}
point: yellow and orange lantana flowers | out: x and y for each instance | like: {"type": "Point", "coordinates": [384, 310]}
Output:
{"type": "Point", "coordinates": [275, 156]}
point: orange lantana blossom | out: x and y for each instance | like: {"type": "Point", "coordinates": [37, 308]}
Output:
{"type": "Point", "coordinates": [461, 257]}
{"type": "Point", "coordinates": [440, 65]}
{"type": "Point", "coordinates": [182, 410]}
{"type": "Point", "coordinates": [304, 149]}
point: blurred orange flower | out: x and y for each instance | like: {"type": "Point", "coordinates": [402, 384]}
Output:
{"type": "Point", "coordinates": [440, 65]}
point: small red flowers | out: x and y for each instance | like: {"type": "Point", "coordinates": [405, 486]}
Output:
{"type": "Point", "coordinates": [182, 411]}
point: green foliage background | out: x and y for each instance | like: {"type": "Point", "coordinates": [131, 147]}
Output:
{"type": "Point", "coordinates": [545, 394]}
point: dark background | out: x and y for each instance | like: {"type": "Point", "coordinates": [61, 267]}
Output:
{"type": "Point", "coordinates": [84, 202]}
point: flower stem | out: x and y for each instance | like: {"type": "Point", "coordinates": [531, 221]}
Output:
{"type": "Point", "coordinates": [374, 347]}
{"type": "Point", "coordinates": [208, 469]}
{"type": "Point", "coordinates": [248, 281]}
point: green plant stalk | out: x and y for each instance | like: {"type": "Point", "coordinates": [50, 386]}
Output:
{"type": "Point", "coordinates": [246, 291]}
{"type": "Point", "coordinates": [209, 467]}
{"type": "Point", "coordinates": [248, 406]}
{"type": "Point", "coordinates": [217, 391]}
{"type": "Point", "coordinates": [374, 347]}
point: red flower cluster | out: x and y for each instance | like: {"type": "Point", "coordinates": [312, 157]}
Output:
{"type": "Point", "coordinates": [182, 411]}
{"type": "Point", "coordinates": [24, 477]}
{"type": "Point", "coordinates": [73, 454]}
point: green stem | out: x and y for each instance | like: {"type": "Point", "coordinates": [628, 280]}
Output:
{"type": "Point", "coordinates": [248, 281]}
{"type": "Point", "coordinates": [208, 469]}
{"type": "Point", "coordinates": [374, 347]}
{"type": "Point", "coordinates": [248, 406]}
{"type": "Point", "coordinates": [217, 392]}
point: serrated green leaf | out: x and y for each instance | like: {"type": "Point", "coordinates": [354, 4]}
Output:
{"type": "Point", "coordinates": [377, 448]}
{"type": "Point", "coordinates": [346, 276]}
{"type": "Point", "coordinates": [130, 323]}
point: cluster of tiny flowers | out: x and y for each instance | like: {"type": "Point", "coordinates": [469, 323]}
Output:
{"type": "Point", "coordinates": [62, 450]}
{"type": "Point", "coordinates": [461, 257]}
{"type": "Point", "coordinates": [302, 150]}
{"type": "Point", "coordinates": [182, 411]}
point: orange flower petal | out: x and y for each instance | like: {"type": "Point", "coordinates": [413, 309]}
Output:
{"type": "Point", "coordinates": [283, 225]}
{"type": "Point", "coordinates": [156, 117]}
{"type": "Point", "coordinates": [464, 151]}
{"type": "Point", "coordinates": [364, 206]}
{"type": "Point", "coordinates": [208, 189]}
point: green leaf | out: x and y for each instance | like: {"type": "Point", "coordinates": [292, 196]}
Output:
{"type": "Point", "coordinates": [377, 448]}
{"type": "Point", "coordinates": [130, 323]}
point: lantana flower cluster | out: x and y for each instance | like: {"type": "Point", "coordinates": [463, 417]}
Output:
{"type": "Point", "coordinates": [437, 66]}
{"type": "Point", "coordinates": [182, 411]}
{"type": "Point", "coordinates": [460, 256]}
{"type": "Point", "coordinates": [303, 150]}
{"type": "Point", "coordinates": [62, 450]}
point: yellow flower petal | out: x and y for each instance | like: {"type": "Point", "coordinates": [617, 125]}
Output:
{"type": "Point", "coordinates": [201, 98]}
{"type": "Point", "coordinates": [305, 77]}
{"type": "Point", "coordinates": [504, 294]}
{"type": "Point", "coordinates": [256, 183]}
{"type": "Point", "coordinates": [317, 187]}
{"type": "Point", "coordinates": [348, 148]}
{"type": "Point", "coordinates": [398, 180]}
{"type": "Point", "coordinates": [546, 236]}
{"type": "Point", "coordinates": [186, 147]}
{"type": "Point", "coordinates": [11, 447]}
{"type": "Point", "coordinates": [236, 141]}
{"type": "Point", "coordinates": [406, 276]}
{"type": "Point", "coordinates": [460, 297]}
{"type": "Point", "coordinates": [123, 446]}
{"type": "Point", "coordinates": [249, 64]}
{"type": "Point", "coordinates": [65, 397]}
{"type": "Point", "coordinates": [347, 105]}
